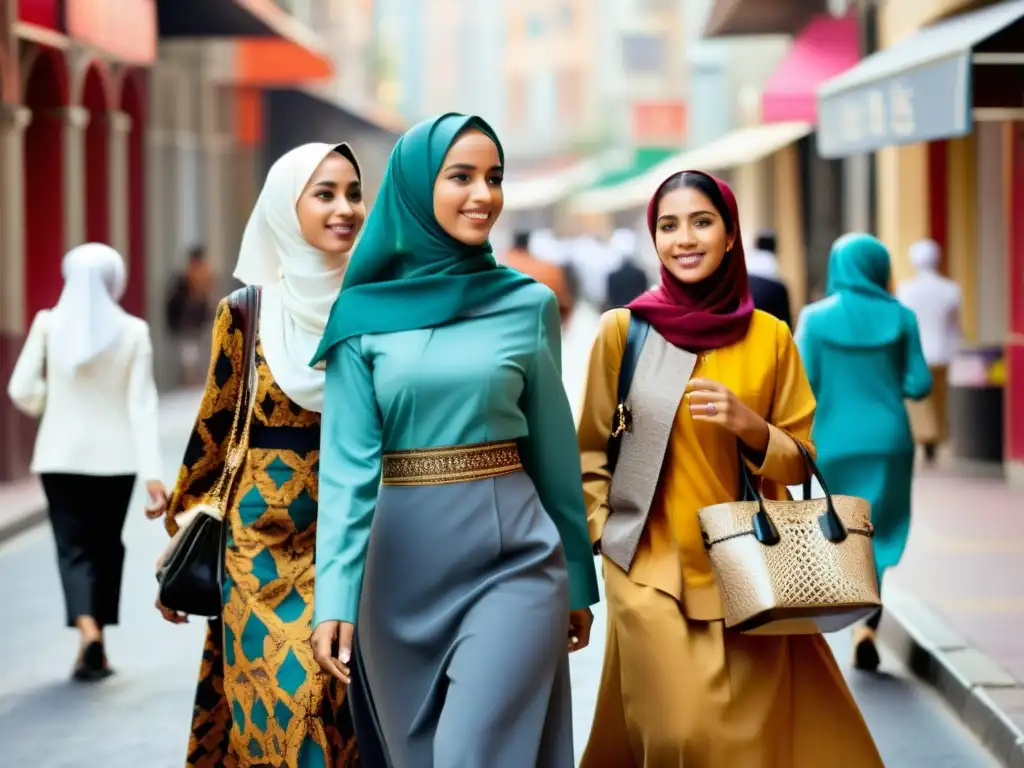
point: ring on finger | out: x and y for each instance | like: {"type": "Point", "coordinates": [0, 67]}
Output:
{"type": "Point", "coordinates": [710, 409]}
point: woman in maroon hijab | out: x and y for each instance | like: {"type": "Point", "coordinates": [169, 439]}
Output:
{"type": "Point", "coordinates": [678, 688]}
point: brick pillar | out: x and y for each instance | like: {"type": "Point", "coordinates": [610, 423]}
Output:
{"type": "Point", "coordinates": [15, 430]}
{"type": "Point", "coordinates": [120, 125]}
{"type": "Point", "coordinates": [1013, 403]}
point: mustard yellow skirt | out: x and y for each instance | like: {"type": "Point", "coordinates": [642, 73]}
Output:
{"type": "Point", "coordinates": [678, 692]}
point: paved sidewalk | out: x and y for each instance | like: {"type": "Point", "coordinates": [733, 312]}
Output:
{"type": "Point", "coordinates": [24, 504]}
{"type": "Point", "coordinates": [956, 602]}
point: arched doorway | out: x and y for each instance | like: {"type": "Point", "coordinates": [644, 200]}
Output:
{"type": "Point", "coordinates": [45, 95]}
{"type": "Point", "coordinates": [97, 158]}
{"type": "Point", "coordinates": [133, 104]}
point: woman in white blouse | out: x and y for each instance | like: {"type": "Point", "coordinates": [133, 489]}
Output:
{"type": "Point", "coordinates": [86, 371]}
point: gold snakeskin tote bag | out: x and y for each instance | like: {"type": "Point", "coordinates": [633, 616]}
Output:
{"type": "Point", "coordinates": [792, 567]}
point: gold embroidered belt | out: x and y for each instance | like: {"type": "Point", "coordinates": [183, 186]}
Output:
{"type": "Point", "coordinates": [451, 464]}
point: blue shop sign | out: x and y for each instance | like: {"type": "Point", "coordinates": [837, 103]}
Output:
{"type": "Point", "coordinates": [931, 101]}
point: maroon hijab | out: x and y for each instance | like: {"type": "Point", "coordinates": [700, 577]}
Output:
{"type": "Point", "coordinates": [710, 314]}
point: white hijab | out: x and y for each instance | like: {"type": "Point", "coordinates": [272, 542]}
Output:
{"type": "Point", "coordinates": [87, 319]}
{"type": "Point", "coordinates": [924, 255]}
{"type": "Point", "coordinates": [299, 282]}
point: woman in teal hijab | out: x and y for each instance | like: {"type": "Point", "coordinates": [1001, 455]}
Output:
{"type": "Point", "coordinates": [862, 351]}
{"type": "Point", "coordinates": [446, 430]}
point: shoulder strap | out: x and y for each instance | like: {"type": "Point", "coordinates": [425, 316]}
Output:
{"type": "Point", "coordinates": [635, 338]}
{"type": "Point", "coordinates": [638, 328]}
{"type": "Point", "coordinates": [245, 304]}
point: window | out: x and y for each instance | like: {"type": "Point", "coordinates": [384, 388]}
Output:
{"type": "Point", "coordinates": [534, 25]}
{"type": "Point", "coordinates": [517, 103]}
{"type": "Point", "coordinates": [567, 15]}
{"type": "Point", "coordinates": [643, 54]}
{"type": "Point", "coordinates": [570, 97]}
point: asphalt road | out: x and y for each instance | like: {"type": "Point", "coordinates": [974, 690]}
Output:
{"type": "Point", "coordinates": [139, 718]}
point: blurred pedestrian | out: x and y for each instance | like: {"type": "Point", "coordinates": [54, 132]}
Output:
{"type": "Point", "coordinates": [189, 308]}
{"type": "Point", "coordinates": [257, 657]}
{"type": "Point", "coordinates": [548, 247]}
{"type": "Point", "coordinates": [766, 284]}
{"type": "Point", "coordinates": [936, 302]}
{"type": "Point", "coordinates": [448, 434]}
{"type": "Point", "coordinates": [86, 371]}
{"type": "Point", "coordinates": [627, 279]}
{"type": "Point", "coordinates": [593, 262]}
{"type": "Point", "coordinates": [862, 350]}
{"type": "Point", "coordinates": [520, 258]}
{"type": "Point", "coordinates": [677, 688]}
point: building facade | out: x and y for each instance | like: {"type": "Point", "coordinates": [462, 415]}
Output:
{"type": "Point", "coordinates": [938, 107]}
{"type": "Point", "coordinates": [146, 124]}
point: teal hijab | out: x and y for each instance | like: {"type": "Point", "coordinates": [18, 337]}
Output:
{"type": "Point", "coordinates": [406, 272]}
{"type": "Point", "coordinates": [859, 271]}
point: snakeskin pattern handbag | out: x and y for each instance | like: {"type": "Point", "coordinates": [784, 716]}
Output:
{"type": "Point", "coordinates": [792, 567]}
{"type": "Point", "coordinates": [191, 573]}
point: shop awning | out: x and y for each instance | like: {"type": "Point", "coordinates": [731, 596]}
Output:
{"type": "Point", "coordinates": [742, 146]}
{"type": "Point", "coordinates": [232, 18]}
{"type": "Point", "coordinates": [824, 48]}
{"type": "Point", "coordinates": [123, 29]}
{"type": "Point", "coordinates": [549, 188]}
{"type": "Point", "coordinates": [760, 17]}
{"type": "Point", "coordinates": [920, 89]}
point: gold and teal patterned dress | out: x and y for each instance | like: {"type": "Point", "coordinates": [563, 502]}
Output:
{"type": "Point", "coordinates": [261, 699]}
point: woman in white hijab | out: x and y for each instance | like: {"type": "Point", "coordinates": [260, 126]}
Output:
{"type": "Point", "coordinates": [261, 698]}
{"type": "Point", "coordinates": [86, 371]}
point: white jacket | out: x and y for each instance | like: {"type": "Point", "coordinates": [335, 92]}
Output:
{"type": "Point", "coordinates": [99, 420]}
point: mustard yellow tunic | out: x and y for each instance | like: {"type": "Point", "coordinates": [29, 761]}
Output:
{"type": "Point", "coordinates": [677, 688]}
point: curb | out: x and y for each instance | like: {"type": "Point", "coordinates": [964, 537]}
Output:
{"type": "Point", "coordinates": [11, 528]}
{"type": "Point", "coordinates": [981, 693]}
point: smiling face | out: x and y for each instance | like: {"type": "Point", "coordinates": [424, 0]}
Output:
{"type": "Point", "coordinates": [467, 191]}
{"type": "Point", "coordinates": [690, 235]}
{"type": "Point", "coordinates": [331, 209]}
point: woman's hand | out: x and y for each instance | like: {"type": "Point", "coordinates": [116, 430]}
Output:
{"type": "Point", "coordinates": [714, 403]}
{"type": "Point", "coordinates": [158, 498]}
{"type": "Point", "coordinates": [322, 642]}
{"type": "Point", "coordinates": [579, 629]}
{"type": "Point", "coordinates": [175, 617]}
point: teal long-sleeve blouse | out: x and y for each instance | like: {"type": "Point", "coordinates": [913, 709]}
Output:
{"type": "Point", "coordinates": [490, 377]}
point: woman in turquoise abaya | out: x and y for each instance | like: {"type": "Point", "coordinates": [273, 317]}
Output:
{"type": "Point", "coordinates": [452, 539]}
{"type": "Point", "coordinates": [862, 351]}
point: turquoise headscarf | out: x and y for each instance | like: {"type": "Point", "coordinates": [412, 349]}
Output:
{"type": "Point", "coordinates": [406, 272]}
{"type": "Point", "coordinates": [859, 271]}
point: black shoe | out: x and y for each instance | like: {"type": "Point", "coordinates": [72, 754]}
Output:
{"type": "Point", "coordinates": [865, 652]}
{"type": "Point", "coordinates": [92, 667]}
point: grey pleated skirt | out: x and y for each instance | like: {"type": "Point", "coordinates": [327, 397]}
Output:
{"type": "Point", "coordinates": [461, 657]}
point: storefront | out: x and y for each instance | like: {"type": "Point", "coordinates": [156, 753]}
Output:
{"type": "Point", "coordinates": [941, 107]}
{"type": "Point", "coordinates": [327, 121]}
{"type": "Point", "coordinates": [813, 196]}
{"type": "Point", "coordinates": [75, 77]}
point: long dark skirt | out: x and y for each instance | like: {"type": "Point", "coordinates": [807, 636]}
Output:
{"type": "Point", "coordinates": [462, 630]}
{"type": "Point", "coordinates": [87, 514]}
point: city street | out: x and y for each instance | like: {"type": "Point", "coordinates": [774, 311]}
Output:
{"type": "Point", "coordinates": [140, 717]}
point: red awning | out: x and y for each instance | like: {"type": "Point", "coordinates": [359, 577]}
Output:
{"type": "Point", "coordinates": [123, 29]}
{"type": "Point", "coordinates": [824, 48]}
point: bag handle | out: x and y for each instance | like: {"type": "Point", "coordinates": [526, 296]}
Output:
{"type": "Point", "coordinates": [621, 418]}
{"type": "Point", "coordinates": [245, 303]}
{"type": "Point", "coordinates": [832, 526]}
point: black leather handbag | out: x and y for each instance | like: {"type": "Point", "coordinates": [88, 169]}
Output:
{"type": "Point", "coordinates": [191, 574]}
